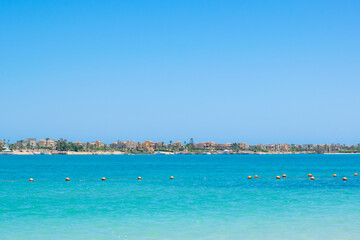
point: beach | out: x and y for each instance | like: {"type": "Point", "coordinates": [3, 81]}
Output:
{"type": "Point", "coordinates": [38, 152]}
{"type": "Point", "coordinates": [55, 152]}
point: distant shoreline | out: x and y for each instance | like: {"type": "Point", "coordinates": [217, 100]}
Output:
{"type": "Point", "coordinates": [30, 146]}
{"type": "Point", "coordinates": [29, 152]}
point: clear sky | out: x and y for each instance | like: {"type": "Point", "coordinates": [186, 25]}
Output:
{"type": "Point", "coordinates": [227, 71]}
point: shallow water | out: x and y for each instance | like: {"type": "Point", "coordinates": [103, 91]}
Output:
{"type": "Point", "coordinates": [225, 205]}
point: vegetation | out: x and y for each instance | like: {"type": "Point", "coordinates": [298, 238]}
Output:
{"type": "Point", "coordinates": [63, 146]}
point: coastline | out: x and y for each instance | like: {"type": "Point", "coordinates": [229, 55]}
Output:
{"type": "Point", "coordinates": [65, 153]}
{"type": "Point", "coordinates": [35, 152]}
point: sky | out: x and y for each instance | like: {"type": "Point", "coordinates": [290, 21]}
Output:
{"type": "Point", "coordinates": [225, 71]}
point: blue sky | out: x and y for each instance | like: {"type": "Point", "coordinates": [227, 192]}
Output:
{"type": "Point", "coordinates": [227, 71]}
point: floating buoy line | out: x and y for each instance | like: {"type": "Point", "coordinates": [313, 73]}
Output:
{"type": "Point", "coordinates": [309, 176]}
{"type": "Point", "coordinates": [81, 180]}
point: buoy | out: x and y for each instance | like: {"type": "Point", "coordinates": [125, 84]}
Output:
{"type": "Point", "coordinates": [67, 179]}
{"type": "Point", "coordinates": [139, 178]}
{"type": "Point", "coordinates": [284, 175]}
{"type": "Point", "coordinates": [344, 178]}
{"type": "Point", "coordinates": [103, 179]}
{"type": "Point", "coordinates": [256, 176]}
{"type": "Point", "coordinates": [249, 177]}
{"type": "Point", "coordinates": [334, 175]}
{"type": "Point", "coordinates": [309, 175]}
{"type": "Point", "coordinates": [312, 178]}
{"type": "Point", "coordinates": [204, 178]}
{"type": "Point", "coordinates": [31, 180]}
{"type": "Point", "coordinates": [355, 174]}
{"type": "Point", "coordinates": [171, 177]}
{"type": "Point", "coordinates": [277, 177]}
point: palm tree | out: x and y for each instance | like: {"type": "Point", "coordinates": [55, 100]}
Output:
{"type": "Point", "coordinates": [47, 140]}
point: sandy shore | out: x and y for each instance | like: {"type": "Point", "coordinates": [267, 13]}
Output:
{"type": "Point", "coordinates": [36, 152]}
{"type": "Point", "coordinates": [66, 153]}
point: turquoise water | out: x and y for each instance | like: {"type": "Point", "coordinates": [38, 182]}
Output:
{"type": "Point", "coordinates": [225, 205]}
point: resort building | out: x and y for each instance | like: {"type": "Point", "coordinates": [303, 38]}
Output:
{"type": "Point", "coordinates": [99, 144]}
{"type": "Point", "coordinates": [220, 146]}
{"type": "Point", "coordinates": [205, 145]}
{"type": "Point", "coordinates": [147, 145]}
{"type": "Point", "coordinates": [29, 142]}
{"type": "Point", "coordinates": [127, 145]}
{"type": "Point", "coordinates": [285, 147]}
{"type": "Point", "coordinates": [175, 145]}
{"type": "Point", "coordinates": [308, 146]}
{"type": "Point", "coordinates": [49, 143]}
{"type": "Point", "coordinates": [159, 145]}
{"type": "Point", "coordinates": [130, 144]}
{"type": "Point", "coordinates": [79, 143]}
{"type": "Point", "coordinates": [273, 147]}
{"type": "Point", "coordinates": [243, 146]}
{"type": "Point", "coordinates": [41, 143]}
{"type": "Point", "coordinates": [2, 145]}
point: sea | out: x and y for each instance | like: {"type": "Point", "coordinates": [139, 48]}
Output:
{"type": "Point", "coordinates": [209, 198]}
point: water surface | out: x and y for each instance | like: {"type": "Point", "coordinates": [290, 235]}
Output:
{"type": "Point", "coordinates": [210, 197]}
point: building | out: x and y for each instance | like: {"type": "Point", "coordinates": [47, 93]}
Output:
{"type": "Point", "coordinates": [51, 143]}
{"type": "Point", "coordinates": [243, 146]}
{"type": "Point", "coordinates": [176, 145]}
{"type": "Point", "coordinates": [31, 141]}
{"type": "Point", "coordinates": [28, 143]}
{"type": "Point", "coordinates": [41, 143]}
{"type": "Point", "coordinates": [2, 145]}
{"type": "Point", "coordinates": [227, 145]}
{"type": "Point", "coordinates": [273, 147]}
{"type": "Point", "coordinates": [159, 145]}
{"type": "Point", "coordinates": [308, 146]}
{"type": "Point", "coordinates": [285, 147]}
{"type": "Point", "coordinates": [206, 145]}
{"type": "Point", "coordinates": [130, 145]}
{"type": "Point", "coordinates": [114, 145]}
{"type": "Point", "coordinates": [147, 145]}
{"type": "Point", "coordinates": [91, 145]}
{"type": "Point", "coordinates": [127, 145]}
{"type": "Point", "coordinates": [79, 143]}
{"type": "Point", "coordinates": [99, 144]}
{"type": "Point", "coordinates": [260, 146]}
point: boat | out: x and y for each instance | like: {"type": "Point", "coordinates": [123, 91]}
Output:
{"type": "Point", "coordinates": [6, 151]}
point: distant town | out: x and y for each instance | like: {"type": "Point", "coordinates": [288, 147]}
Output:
{"type": "Point", "coordinates": [31, 146]}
